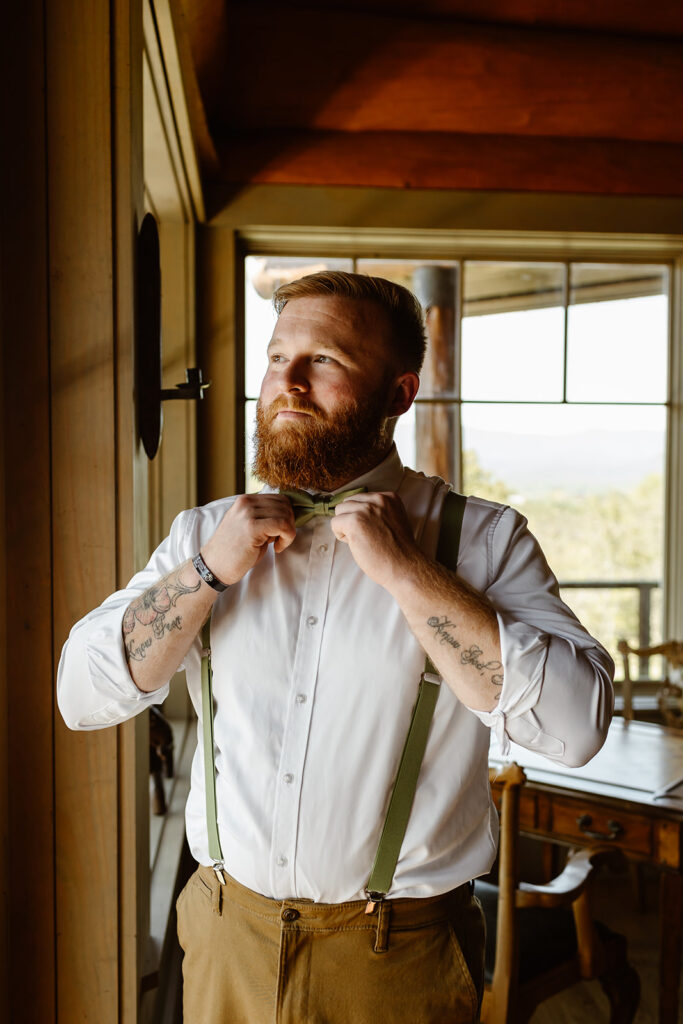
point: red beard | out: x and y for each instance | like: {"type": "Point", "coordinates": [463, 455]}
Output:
{"type": "Point", "coordinates": [319, 452]}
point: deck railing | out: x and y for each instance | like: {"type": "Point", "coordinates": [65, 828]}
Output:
{"type": "Point", "coordinates": [644, 590]}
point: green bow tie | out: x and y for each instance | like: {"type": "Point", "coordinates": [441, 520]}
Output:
{"type": "Point", "coordinates": [305, 506]}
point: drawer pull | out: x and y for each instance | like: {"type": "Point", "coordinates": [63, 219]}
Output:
{"type": "Point", "coordinates": [585, 822]}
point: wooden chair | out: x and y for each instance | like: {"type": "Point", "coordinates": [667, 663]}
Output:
{"type": "Point", "coordinates": [669, 694]}
{"type": "Point", "coordinates": [160, 756]}
{"type": "Point", "coordinates": [542, 938]}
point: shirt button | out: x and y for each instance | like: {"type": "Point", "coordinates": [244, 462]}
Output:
{"type": "Point", "coordinates": [322, 549]}
{"type": "Point", "coordinates": [288, 778]}
{"type": "Point", "coordinates": [290, 914]}
{"type": "Point", "coordinates": [301, 698]}
{"type": "Point", "coordinates": [281, 862]}
{"type": "Point", "coordinates": [311, 620]}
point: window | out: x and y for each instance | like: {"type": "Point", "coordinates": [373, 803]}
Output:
{"type": "Point", "coordinates": [545, 387]}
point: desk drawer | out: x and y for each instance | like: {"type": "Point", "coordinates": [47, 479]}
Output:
{"type": "Point", "coordinates": [588, 824]}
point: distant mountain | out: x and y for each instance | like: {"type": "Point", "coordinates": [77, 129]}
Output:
{"type": "Point", "coordinates": [579, 463]}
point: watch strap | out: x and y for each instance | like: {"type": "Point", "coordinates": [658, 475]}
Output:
{"type": "Point", "coordinates": [206, 574]}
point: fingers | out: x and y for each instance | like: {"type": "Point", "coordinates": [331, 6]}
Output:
{"type": "Point", "coordinates": [252, 522]}
{"type": "Point", "coordinates": [386, 504]}
{"type": "Point", "coordinates": [285, 537]}
{"type": "Point", "coordinates": [262, 506]}
{"type": "Point", "coordinates": [337, 527]}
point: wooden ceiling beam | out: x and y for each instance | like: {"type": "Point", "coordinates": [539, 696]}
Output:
{"type": "Point", "coordinates": [616, 16]}
{"type": "Point", "coordinates": [447, 161]}
{"type": "Point", "coordinates": [286, 67]}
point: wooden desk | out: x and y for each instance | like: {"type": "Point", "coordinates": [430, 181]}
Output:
{"type": "Point", "coordinates": [612, 800]}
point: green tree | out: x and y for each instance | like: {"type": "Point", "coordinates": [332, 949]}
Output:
{"type": "Point", "coordinates": [611, 535]}
{"type": "Point", "coordinates": [477, 480]}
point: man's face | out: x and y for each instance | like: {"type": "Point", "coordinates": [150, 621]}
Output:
{"type": "Point", "coordinates": [327, 394]}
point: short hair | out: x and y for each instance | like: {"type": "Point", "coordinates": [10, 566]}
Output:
{"type": "Point", "coordinates": [403, 311]}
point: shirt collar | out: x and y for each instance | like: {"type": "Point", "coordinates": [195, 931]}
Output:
{"type": "Point", "coordinates": [386, 476]}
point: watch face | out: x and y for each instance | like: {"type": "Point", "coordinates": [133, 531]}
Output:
{"type": "Point", "coordinates": [148, 336]}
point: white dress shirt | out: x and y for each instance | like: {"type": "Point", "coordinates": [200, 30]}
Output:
{"type": "Point", "coordinates": [315, 677]}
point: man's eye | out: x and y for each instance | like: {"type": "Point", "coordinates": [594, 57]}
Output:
{"type": "Point", "coordinates": [275, 358]}
{"type": "Point", "coordinates": [322, 359]}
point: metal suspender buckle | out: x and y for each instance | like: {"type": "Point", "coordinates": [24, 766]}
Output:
{"type": "Point", "coordinates": [218, 869]}
{"type": "Point", "coordinates": [373, 899]}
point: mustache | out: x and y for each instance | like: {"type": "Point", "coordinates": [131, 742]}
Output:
{"type": "Point", "coordinates": [293, 403]}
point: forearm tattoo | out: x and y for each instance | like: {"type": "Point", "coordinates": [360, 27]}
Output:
{"type": "Point", "coordinates": [151, 609]}
{"type": "Point", "coordinates": [444, 630]}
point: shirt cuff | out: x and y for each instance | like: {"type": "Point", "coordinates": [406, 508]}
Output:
{"type": "Point", "coordinates": [109, 672]}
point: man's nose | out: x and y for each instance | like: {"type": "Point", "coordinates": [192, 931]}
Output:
{"type": "Point", "coordinates": [295, 378]}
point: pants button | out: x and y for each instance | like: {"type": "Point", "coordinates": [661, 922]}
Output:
{"type": "Point", "coordinates": [289, 914]}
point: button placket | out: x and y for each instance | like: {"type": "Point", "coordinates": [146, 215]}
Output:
{"type": "Point", "coordinates": [297, 726]}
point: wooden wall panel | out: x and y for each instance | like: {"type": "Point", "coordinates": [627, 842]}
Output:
{"type": "Point", "coordinates": [131, 496]}
{"type": "Point", "coordinates": [177, 454]}
{"type": "Point", "coordinates": [173, 472]}
{"type": "Point", "coordinates": [84, 488]}
{"type": "Point", "coordinates": [219, 431]}
{"type": "Point", "coordinates": [26, 709]}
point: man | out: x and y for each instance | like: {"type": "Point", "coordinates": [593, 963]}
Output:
{"type": "Point", "coordinates": [318, 636]}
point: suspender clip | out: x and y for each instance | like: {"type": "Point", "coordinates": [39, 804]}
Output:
{"type": "Point", "coordinates": [373, 899]}
{"type": "Point", "coordinates": [218, 869]}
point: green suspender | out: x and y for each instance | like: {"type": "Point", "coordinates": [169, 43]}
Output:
{"type": "Point", "coordinates": [215, 851]}
{"type": "Point", "coordinates": [405, 784]}
{"type": "Point", "coordinates": [403, 792]}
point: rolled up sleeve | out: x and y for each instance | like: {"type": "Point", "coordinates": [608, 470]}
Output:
{"type": "Point", "coordinates": [94, 685]}
{"type": "Point", "coordinates": [557, 696]}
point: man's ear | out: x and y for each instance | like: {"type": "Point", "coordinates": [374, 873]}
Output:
{"type": "Point", "coordinates": [405, 389]}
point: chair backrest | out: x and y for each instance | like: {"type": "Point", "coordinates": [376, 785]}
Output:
{"type": "Point", "coordinates": [672, 652]}
{"type": "Point", "coordinates": [566, 945]}
{"type": "Point", "coordinates": [505, 971]}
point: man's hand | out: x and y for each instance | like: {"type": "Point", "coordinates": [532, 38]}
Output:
{"type": "Point", "coordinates": [377, 530]}
{"type": "Point", "coordinates": [456, 626]}
{"type": "Point", "coordinates": [252, 522]}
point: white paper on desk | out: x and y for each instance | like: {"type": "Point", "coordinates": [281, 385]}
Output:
{"type": "Point", "coordinates": [673, 791]}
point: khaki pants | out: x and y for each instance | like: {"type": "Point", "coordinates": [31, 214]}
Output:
{"type": "Point", "coordinates": [252, 960]}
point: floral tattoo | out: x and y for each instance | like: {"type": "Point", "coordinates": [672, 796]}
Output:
{"type": "Point", "coordinates": [151, 609]}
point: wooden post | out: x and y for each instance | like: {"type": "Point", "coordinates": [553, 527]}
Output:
{"type": "Point", "coordinates": [435, 286]}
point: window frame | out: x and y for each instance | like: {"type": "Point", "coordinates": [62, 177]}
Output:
{"type": "Point", "coordinates": [510, 246]}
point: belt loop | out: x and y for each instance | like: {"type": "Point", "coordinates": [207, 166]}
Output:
{"type": "Point", "coordinates": [383, 924]}
{"type": "Point", "coordinates": [217, 897]}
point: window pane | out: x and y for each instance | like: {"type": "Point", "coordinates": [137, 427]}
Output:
{"type": "Point", "coordinates": [251, 483]}
{"type": "Point", "coordinates": [591, 482]}
{"type": "Point", "coordinates": [513, 332]}
{"type": "Point", "coordinates": [617, 333]}
{"type": "Point", "coordinates": [404, 436]}
{"type": "Point", "coordinates": [398, 271]}
{"type": "Point", "coordinates": [263, 274]}
{"type": "Point", "coordinates": [615, 614]}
